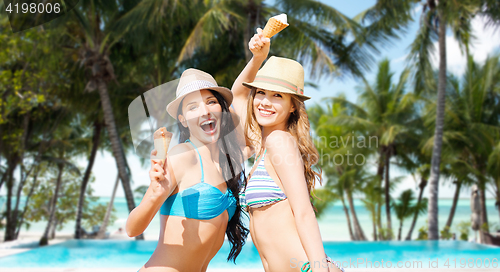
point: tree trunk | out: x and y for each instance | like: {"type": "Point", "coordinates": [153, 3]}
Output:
{"type": "Point", "coordinates": [102, 229]}
{"type": "Point", "coordinates": [353, 238]}
{"type": "Point", "coordinates": [22, 176]}
{"type": "Point", "coordinates": [438, 133]}
{"type": "Point", "coordinates": [10, 228]}
{"type": "Point", "coordinates": [454, 204]}
{"type": "Point", "coordinates": [380, 174]}
{"type": "Point", "coordinates": [400, 229]}
{"type": "Point", "coordinates": [357, 227]}
{"type": "Point", "coordinates": [32, 189]}
{"type": "Point", "coordinates": [53, 207]}
{"type": "Point", "coordinates": [41, 148]}
{"type": "Point", "coordinates": [484, 227]}
{"type": "Point", "coordinates": [53, 227]}
{"type": "Point", "coordinates": [86, 177]}
{"type": "Point", "coordinates": [4, 177]}
{"type": "Point", "coordinates": [423, 183]}
{"type": "Point", "coordinates": [387, 194]}
{"type": "Point", "coordinates": [379, 222]}
{"type": "Point", "coordinates": [374, 225]}
{"type": "Point", "coordinates": [116, 146]}
{"type": "Point", "coordinates": [497, 204]}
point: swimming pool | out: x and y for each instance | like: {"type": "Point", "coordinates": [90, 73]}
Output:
{"type": "Point", "coordinates": [116, 253]}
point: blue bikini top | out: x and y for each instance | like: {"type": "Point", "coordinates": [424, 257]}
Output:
{"type": "Point", "coordinates": [201, 201]}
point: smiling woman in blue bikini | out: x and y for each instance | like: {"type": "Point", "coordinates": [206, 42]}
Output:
{"type": "Point", "coordinates": [283, 224]}
{"type": "Point", "coordinates": [196, 190]}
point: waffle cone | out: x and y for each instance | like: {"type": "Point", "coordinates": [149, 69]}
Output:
{"type": "Point", "coordinates": [162, 139]}
{"type": "Point", "coordinates": [166, 141]}
{"type": "Point", "coordinates": [272, 27]}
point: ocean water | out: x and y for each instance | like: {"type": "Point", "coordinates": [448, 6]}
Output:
{"type": "Point", "coordinates": [333, 223]}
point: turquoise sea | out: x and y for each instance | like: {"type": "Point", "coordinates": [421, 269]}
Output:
{"type": "Point", "coordinates": [333, 224]}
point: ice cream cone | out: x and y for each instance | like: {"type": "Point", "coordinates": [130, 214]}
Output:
{"type": "Point", "coordinates": [162, 139]}
{"type": "Point", "coordinates": [272, 27]}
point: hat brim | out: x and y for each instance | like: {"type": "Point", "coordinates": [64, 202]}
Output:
{"type": "Point", "coordinates": [274, 88]}
{"type": "Point", "coordinates": [173, 106]}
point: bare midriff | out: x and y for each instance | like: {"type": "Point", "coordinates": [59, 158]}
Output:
{"type": "Point", "coordinates": [187, 244]}
{"type": "Point", "coordinates": [275, 235]}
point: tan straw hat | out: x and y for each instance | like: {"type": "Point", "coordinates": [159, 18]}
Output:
{"type": "Point", "coordinates": [280, 75]}
{"type": "Point", "coordinates": [193, 80]}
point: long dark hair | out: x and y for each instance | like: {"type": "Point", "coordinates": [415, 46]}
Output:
{"type": "Point", "coordinates": [231, 159]}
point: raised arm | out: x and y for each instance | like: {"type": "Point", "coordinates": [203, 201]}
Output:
{"type": "Point", "coordinates": [285, 157]}
{"type": "Point", "coordinates": [259, 46]}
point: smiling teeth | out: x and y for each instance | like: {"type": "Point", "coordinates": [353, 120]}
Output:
{"type": "Point", "coordinates": [207, 122]}
{"type": "Point", "coordinates": [266, 112]}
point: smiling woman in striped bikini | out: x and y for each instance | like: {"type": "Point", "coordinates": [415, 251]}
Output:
{"type": "Point", "coordinates": [270, 103]}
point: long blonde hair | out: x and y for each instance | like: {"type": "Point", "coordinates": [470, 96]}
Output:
{"type": "Point", "coordinates": [297, 125]}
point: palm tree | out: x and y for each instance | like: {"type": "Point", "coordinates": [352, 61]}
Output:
{"type": "Point", "coordinates": [405, 208]}
{"type": "Point", "coordinates": [352, 180]}
{"type": "Point", "coordinates": [323, 198]}
{"type": "Point", "coordinates": [27, 92]}
{"type": "Point", "coordinates": [336, 188]}
{"type": "Point", "coordinates": [437, 16]}
{"type": "Point", "coordinates": [318, 117]}
{"type": "Point", "coordinates": [472, 126]}
{"type": "Point", "coordinates": [420, 201]}
{"type": "Point", "coordinates": [90, 119]}
{"type": "Point", "coordinates": [458, 171]}
{"type": "Point", "coordinates": [416, 160]}
{"type": "Point", "coordinates": [89, 37]}
{"type": "Point", "coordinates": [93, 152]}
{"type": "Point", "coordinates": [345, 176]}
{"type": "Point", "coordinates": [225, 26]}
{"type": "Point", "coordinates": [102, 230]}
{"type": "Point", "coordinates": [494, 170]}
{"type": "Point", "coordinates": [474, 101]}
{"type": "Point", "coordinates": [374, 198]}
{"type": "Point", "coordinates": [61, 148]}
{"type": "Point", "coordinates": [385, 112]}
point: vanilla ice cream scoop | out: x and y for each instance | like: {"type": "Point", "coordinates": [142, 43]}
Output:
{"type": "Point", "coordinates": [281, 18]}
{"type": "Point", "coordinates": [275, 25]}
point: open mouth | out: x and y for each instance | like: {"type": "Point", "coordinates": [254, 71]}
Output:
{"type": "Point", "coordinates": [266, 113]}
{"type": "Point", "coordinates": [209, 126]}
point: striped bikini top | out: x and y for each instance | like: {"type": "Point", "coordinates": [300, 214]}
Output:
{"type": "Point", "coordinates": [261, 190]}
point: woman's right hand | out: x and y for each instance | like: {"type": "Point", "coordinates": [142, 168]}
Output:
{"type": "Point", "coordinates": [259, 45]}
{"type": "Point", "coordinates": [158, 176]}
{"type": "Point", "coordinates": [159, 189]}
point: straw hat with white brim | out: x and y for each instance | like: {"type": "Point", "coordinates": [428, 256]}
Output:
{"type": "Point", "coordinates": [280, 75]}
{"type": "Point", "coordinates": [194, 80]}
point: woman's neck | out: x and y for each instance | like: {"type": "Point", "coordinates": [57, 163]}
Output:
{"type": "Point", "coordinates": [212, 148]}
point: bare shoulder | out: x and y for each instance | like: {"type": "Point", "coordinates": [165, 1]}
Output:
{"type": "Point", "coordinates": [181, 155]}
{"type": "Point", "coordinates": [280, 141]}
